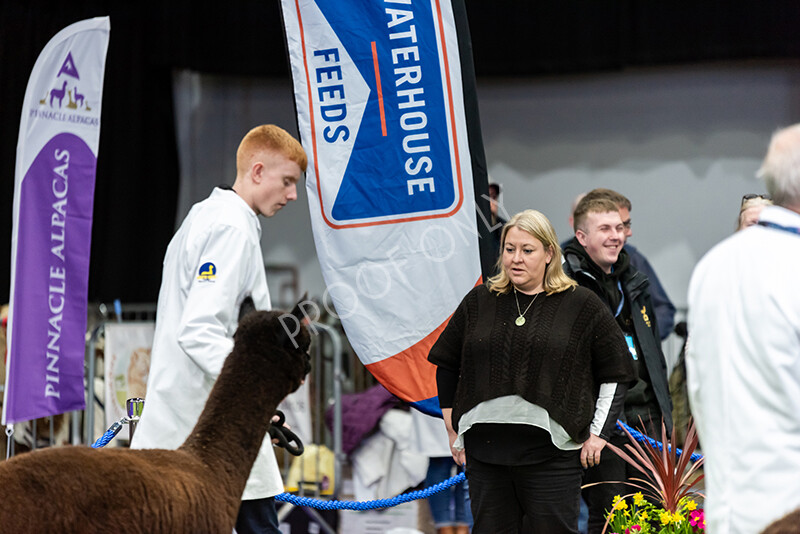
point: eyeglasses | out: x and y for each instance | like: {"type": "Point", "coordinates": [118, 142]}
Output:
{"type": "Point", "coordinates": [751, 196]}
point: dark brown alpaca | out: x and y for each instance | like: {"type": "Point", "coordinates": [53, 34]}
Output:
{"type": "Point", "coordinates": [195, 489]}
{"type": "Point", "coordinates": [788, 524]}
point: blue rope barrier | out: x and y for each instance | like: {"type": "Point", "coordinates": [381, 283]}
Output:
{"type": "Point", "coordinates": [427, 492]}
{"type": "Point", "coordinates": [653, 443]}
{"type": "Point", "coordinates": [374, 504]}
{"type": "Point", "coordinates": [320, 504]}
{"type": "Point", "coordinates": [110, 434]}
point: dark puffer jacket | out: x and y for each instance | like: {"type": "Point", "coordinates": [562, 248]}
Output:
{"type": "Point", "coordinates": [635, 288]}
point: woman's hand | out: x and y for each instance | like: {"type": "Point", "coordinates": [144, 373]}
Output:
{"type": "Point", "coordinates": [590, 451]}
{"type": "Point", "coordinates": [458, 455]}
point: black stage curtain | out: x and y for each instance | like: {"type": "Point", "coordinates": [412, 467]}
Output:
{"type": "Point", "coordinates": [137, 172]}
{"type": "Point", "coordinates": [532, 38]}
{"type": "Point", "coordinates": [137, 168]}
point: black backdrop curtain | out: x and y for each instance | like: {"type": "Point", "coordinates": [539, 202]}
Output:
{"type": "Point", "coordinates": [137, 171]}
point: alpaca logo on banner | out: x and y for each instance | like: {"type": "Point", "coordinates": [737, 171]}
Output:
{"type": "Point", "coordinates": [65, 94]}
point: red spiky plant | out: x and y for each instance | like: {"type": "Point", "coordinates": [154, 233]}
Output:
{"type": "Point", "coordinates": [669, 479]}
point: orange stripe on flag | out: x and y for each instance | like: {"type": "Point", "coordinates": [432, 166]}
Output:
{"type": "Point", "coordinates": [380, 89]}
{"type": "Point", "coordinates": [408, 374]}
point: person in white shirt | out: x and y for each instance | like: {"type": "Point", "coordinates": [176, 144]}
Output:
{"type": "Point", "coordinates": [743, 360]}
{"type": "Point", "coordinates": [212, 265]}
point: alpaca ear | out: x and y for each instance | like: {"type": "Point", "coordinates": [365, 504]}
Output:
{"type": "Point", "coordinates": [297, 311]}
{"type": "Point", "coordinates": [247, 307]}
{"type": "Point", "coordinates": [292, 324]}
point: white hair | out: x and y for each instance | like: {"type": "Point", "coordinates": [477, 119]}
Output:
{"type": "Point", "coordinates": [781, 167]}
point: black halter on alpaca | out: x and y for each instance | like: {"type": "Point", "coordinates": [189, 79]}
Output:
{"type": "Point", "coordinates": [196, 488]}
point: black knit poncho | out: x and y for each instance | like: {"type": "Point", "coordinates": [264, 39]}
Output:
{"type": "Point", "coordinates": [569, 345]}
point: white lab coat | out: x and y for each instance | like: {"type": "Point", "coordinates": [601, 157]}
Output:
{"type": "Point", "coordinates": [743, 374]}
{"type": "Point", "coordinates": [198, 308]}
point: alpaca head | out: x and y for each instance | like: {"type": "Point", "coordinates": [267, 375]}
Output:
{"type": "Point", "coordinates": [275, 342]}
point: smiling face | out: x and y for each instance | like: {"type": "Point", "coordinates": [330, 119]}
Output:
{"type": "Point", "coordinates": [274, 178]}
{"type": "Point", "coordinates": [525, 260]}
{"type": "Point", "coordinates": [602, 235]}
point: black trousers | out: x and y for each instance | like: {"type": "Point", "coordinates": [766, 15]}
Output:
{"type": "Point", "coordinates": [258, 516]}
{"type": "Point", "coordinates": [598, 498]}
{"type": "Point", "coordinates": [547, 494]}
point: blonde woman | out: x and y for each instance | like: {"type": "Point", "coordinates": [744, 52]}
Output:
{"type": "Point", "coordinates": [532, 371]}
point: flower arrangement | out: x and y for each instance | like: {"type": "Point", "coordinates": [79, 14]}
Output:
{"type": "Point", "coordinates": [644, 517]}
{"type": "Point", "coordinates": [666, 503]}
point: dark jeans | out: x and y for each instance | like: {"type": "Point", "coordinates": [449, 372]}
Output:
{"type": "Point", "coordinates": [546, 493]}
{"type": "Point", "coordinates": [258, 516]}
{"type": "Point", "coordinates": [451, 506]}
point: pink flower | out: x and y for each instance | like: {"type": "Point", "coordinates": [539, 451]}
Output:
{"type": "Point", "coordinates": [697, 519]}
{"type": "Point", "coordinates": [634, 528]}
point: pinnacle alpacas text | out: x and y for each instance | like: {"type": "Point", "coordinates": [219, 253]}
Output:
{"type": "Point", "coordinates": [58, 273]}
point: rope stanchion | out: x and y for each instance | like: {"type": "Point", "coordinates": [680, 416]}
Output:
{"type": "Point", "coordinates": [653, 443]}
{"type": "Point", "coordinates": [134, 407]}
{"type": "Point", "coordinates": [321, 504]}
{"type": "Point", "coordinates": [9, 441]}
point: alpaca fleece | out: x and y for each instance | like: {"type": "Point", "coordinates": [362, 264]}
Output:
{"type": "Point", "coordinates": [195, 489]}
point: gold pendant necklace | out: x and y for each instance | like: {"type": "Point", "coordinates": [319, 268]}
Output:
{"type": "Point", "coordinates": [521, 319]}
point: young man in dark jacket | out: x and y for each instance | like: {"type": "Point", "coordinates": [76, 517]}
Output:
{"type": "Point", "coordinates": [664, 309]}
{"type": "Point", "coordinates": [596, 260]}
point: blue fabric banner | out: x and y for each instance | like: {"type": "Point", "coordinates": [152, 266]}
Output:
{"type": "Point", "coordinates": [381, 112]}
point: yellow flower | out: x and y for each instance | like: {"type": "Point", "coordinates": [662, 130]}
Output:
{"type": "Point", "coordinates": [691, 505]}
{"type": "Point", "coordinates": [666, 517]}
{"type": "Point", "coordinates": [616, 499]}
{"type": "Point", "coordinates": [638, 499]}
{"type": "Point", "coordinates": [626, 513]}
{"type": "Point", "coordinates": [643, 515]}
{"type": "Point", "coordinates": [610, 518]}
{"type": "Point", "coordinates": [620, 505]}
{"type": "Point", "coordinates": [677, 518]}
